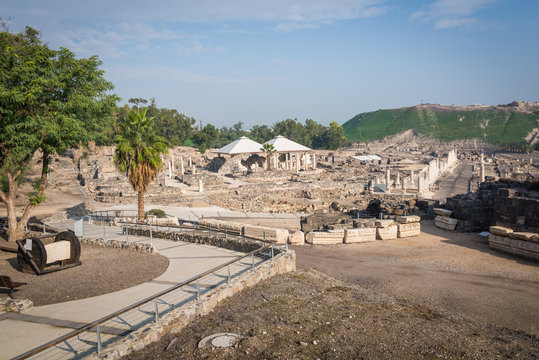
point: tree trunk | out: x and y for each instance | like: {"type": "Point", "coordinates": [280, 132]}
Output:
{"type": "Point", "coordinates": [140, 207]}
{"type": "Point", "coordinates": [268, 165]}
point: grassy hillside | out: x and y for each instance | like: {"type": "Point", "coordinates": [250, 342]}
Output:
{"type": "Point", "coordinates": [494, 125]}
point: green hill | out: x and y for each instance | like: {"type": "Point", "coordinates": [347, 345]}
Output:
{"type": "Point", "coordinates": [494, 124]}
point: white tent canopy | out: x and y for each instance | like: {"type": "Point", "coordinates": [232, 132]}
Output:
{"type": "Point", "coordinates": [243, 145]}
{"type": "Point", "coordinates": [282, 144]}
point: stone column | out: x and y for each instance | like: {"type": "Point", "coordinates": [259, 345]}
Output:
{"type": "Point", "coordinates": [388, 177]}
{"type": "Point", "coordinates": [169, 169]}
{"type": "Point", "coordinates": [193, 169]}
{"type": "Point", "coordinates": [297, 162]}
{"type": "Point", "coordinates": [482, 172]}
{"type": "Point", "coordinates": [173, 166]}
{"type": "Point", "coordinates": [314, 161]}
{"type": "Point", "coordinates": [412, 178]}
{"type": "Point", "coordinates": [420, 183]}
{"type": "Point", "coordinates": [200, 186]}
{"type": "Point", "coordinates": [182, 168]}
{"type": "Point", "coordinates": [398, 180]}
{"type": "Point", "coordinates": [190, 161]}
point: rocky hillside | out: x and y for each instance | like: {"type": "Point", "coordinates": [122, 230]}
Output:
{"type": "Point", "coordinates": [499, 124]}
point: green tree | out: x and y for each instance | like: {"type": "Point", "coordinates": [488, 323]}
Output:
{"type": "Point", "coordinates": [261, 133]}
{"type": "Point", "coordinates": [49, 102]}
{"type": "Point", "coordinates": [138, 153]}
{"type": "Point", "coordinates": [206, 138]}
{"type": "Point", "coordinates": [269, 149]}
{"type": "Point", "coordinates": [331, 138]}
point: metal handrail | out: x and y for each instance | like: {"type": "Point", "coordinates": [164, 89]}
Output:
{"type": "Point", "coordinates": [95, 323]}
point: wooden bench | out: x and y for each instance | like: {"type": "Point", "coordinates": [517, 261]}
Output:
{"type": "Point", "coordinates": [5, 281]}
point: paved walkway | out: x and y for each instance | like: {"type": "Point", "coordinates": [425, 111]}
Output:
{"type": "Point", "coordinates": [456, 183]}
{"type": "Point", "coordinates": [193, 214]}
{"type": "Point", "coordinates": [22, 332]}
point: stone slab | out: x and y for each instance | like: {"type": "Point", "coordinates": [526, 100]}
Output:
{"type": "Point", "coordinates": [279, 236]}
{"type": "Point", "coordinates": [500, 230]}
{"type": "Point", "coordinates": [408, 230]}
{"type": "Point", "coordinates": [445, 223]}
{"type": "Point", "coordinates": [297, 238]}
{"type": "Point", "coordinates": [383, 223]}
{"type": "Point", "coordinates": [386, 233]}
{"type": "Point", "coordinates": [359, 235]}
{"type": "Point", "coordinates": [443, 212]}
{"type": "Point", "coordinates": [513, 246]}
{"type": "Point", "coordinates": [408, 219]}
{"type": "Point", "coordinates": [525, 236]}
{"type": "Point", "coordinates": [325, 237]}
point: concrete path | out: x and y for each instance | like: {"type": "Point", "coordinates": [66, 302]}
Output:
{"type": "Point", "coordinates": [22, 332]}
{"type": "Point", "coordinates": [193, 214]}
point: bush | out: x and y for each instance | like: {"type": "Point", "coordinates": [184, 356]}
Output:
{"type": "Point", "coordinates": [156, 212]}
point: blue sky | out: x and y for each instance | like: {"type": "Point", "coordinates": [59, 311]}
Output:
{"type": "Point", "coordinates": [260, 62]}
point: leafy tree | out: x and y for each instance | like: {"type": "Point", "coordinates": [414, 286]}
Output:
{"type": "Point", "coordinates": [138, 153]}
{"type": "Point", "coordinates": [261, 133]}
{"type": "Point", "coordinates": [49, 102]}
{"type": "Point", "coordinates": [331, 138]}
{"type": "Point", "coordinates": [269, 149]}
{"type": "Point", "coordinates": [206, 138]}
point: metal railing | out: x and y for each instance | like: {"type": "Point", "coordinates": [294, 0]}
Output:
{"type": "Point", "coordinates": [168, 298]}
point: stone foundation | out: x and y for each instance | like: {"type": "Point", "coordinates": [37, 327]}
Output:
{"type": "Point", "coordinates": [325, 237]}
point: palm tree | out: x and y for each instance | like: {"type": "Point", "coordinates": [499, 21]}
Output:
{"type": "Point", "coordinates": [268, 149]}
{"type": "Point", "coordinates": [138, 153]}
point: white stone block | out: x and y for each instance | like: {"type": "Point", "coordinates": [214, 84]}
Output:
{"type": "Point", "coordinates": [297, 238]}
{"type": "Point", "coordinates": [325, 237]}
{"type": "Point", "coordinates": [408, 219]}
{"type": "Point", "coordinates": [383, 223]}
{"type": "Point", "coordinates": [359, 235]}
{"type": "Point", "coordinates": [445, 223]}
{"type": "Point", "coordinates": [408, 230]}
{"type": "Point", "coordinates": [386, 233]}
{"type": "Point", "coordinates": [443, 212]}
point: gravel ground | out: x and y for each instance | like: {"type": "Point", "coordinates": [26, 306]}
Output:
{"type": "Point", "coordinates": [309, 315]}
{"type": "Point", "coordinates": [103, 270]}
{"type": "Point", "coordinates": [442, 269]}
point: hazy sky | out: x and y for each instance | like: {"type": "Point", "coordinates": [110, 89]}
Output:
{"type": "Point", "coordinates": [259, 62]}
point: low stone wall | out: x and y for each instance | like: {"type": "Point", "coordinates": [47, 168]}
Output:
{"type": "Point", "coordinates": [230, 243]}
{"type": "Point", "coordinates": [176, 320]}
{"type": "Point", "coordinates": [119, 244]}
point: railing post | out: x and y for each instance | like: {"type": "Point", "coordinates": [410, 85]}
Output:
{"type": "Point", "coordinates": [104, 231]}
{"type": "Point", "coordinates": [156, 311]}
{"type": "Point", "coordinates": [253, 262]}
{"type": "Point", "coordinates": [264, 236]}
{"type": "Point", "coordinates": [209, 230]}
{"type": "Point", "coordinates": [198, 290]}
{"type": "Point", "coordinates": [151, 237]}
{"type": "Point", "coordinates": [286, 245]}
{"type": "Point", "coordinates": [126, 233]}
{"type": "Point", "coordinates": [271, 252]}
{"type": "Point", "coordinates": [90, 221]}
{"type": "Point", "coordinates": [61, 222]}
{"type": "Point", "coordinates": [99, 346]}
{"type": "Point", "coordinates": [226, 233]}
{"type": "Point", "coordinates": [43, 229]}
{"type": "Point", "coordinates": [228, 278]}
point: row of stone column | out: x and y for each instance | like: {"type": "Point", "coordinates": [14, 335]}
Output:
{"type": "Point", "coordinates": [172, 167]}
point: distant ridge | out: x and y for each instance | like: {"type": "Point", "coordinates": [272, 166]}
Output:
{"type": "Point", "coordinates": [516, 122]}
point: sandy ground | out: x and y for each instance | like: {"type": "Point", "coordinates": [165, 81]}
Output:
{"type": "Point", "coordinates": [103, 270]}
{"type": "Point", "coordinates": [308, 315]}
{"type": "Point", "coordinates": [453, 271]}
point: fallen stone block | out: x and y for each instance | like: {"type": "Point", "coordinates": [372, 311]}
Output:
{"type": "Point", "coordinates": [408, 230]}
{"type": "Point", "coordinates": [364, 223]}
{"type": "Point", "coordinates": [525, 236]}
{"type": "Point", "coordinates": [383, 223]}
{"type": "Point", "coordinates": [325, 237]}
{"type": "Point", "coordinates": [279, 236]}
{"type": "Point", "coordinates": [359, 235]}
{"type": "Point", "coordinates": [445, 223]}
{"type": "Point", "coordinates": [443, 212]}
{"type": "Point", "coordinates": [513, 246]}
{"type": "Point", "coordinates": [408, 219]}
{"type": "Point", "coordinates": [297, 238]}
{"type": "Point", "coordinates": [500, 230]}
{"type": "Point", "coordinates": [386, 233]}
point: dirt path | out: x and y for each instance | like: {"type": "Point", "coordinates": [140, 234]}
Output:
{"type": "Point", "coordinates": [456, 183]}
{"type": "Point", "coordinates": [452, 271]}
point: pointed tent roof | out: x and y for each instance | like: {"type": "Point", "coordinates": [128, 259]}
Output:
{"type": "Point", "coordinates": [241, 146]}
{"type": "Point", "coordinates": [282, 144]}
